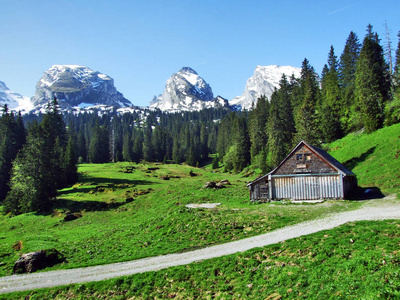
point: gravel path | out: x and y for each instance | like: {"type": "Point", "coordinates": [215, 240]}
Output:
{"type": "Point", "coordinates": [387, 208]}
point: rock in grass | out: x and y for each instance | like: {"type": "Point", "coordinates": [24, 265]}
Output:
{"type": "Point", "coordinates": [72, 216]}
{"type": "Point", "coordinates": [31, 262]}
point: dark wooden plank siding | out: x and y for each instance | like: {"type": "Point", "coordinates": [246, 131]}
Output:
{"type": "Point", "coordinates": [304, 161]}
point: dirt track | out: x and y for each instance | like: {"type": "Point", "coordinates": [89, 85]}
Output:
{"type": "Point", "coordinates": [387, 208]}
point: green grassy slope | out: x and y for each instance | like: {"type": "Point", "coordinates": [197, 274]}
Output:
{"type": "Point", "coordinates": [156, 222]}
{"type": "Point", "coordinates": [354, 261]}
{"type": "Point", "coordinates": [374, 158]}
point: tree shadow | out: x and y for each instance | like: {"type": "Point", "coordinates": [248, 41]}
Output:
{"type": "Point", "coordinates": [95, 184]}
{"type": "Point", "coordinates": [77, 206]}
{"type": "Point", "coordinates": [355, 161]}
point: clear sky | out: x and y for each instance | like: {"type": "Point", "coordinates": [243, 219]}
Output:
{"type": "Point", "coordinates": [141, 43]}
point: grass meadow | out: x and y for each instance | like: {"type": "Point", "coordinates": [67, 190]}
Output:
{"type": "Point", "coordinates": [354, 261]}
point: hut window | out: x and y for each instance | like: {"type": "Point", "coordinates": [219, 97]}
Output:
{"type": "Point", "coordinates": [299, 157]}
{"type": "Point", "coordinates": [308, 156]}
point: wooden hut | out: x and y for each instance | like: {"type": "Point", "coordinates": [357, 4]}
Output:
{"type": "Point", "coordinates": [307, 173]}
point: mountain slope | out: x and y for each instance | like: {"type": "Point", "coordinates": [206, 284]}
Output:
{"type": "Point", "coordinates": [77, 86]}
{"type": "Point", "coordinates": [185, 91]}
{"type": "Point", "coordinates": [263, 82]}
{"type": "Point", "coordinates": [14, 100]}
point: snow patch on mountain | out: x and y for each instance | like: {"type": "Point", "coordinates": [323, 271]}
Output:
{"type": "Point", "coordinates": [263, 82]}
{"type": "Point", "coordinates": [14, 100]}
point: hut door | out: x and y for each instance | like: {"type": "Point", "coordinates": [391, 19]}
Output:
{"type": "Point", "coordinates": [264, 191]}
{"type": "Point", "coordinates": [311, 189]}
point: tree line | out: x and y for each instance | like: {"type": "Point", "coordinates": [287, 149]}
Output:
{"type": "Point", "coordinates": [34, 162]}
{"type": "Point", "coordinates": [356, 91]}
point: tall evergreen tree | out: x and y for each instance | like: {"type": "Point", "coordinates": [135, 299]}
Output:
{"type": "Point", "coordinates": [12, 138]}
{"type": "Point", "coordinates": [69, 163]}
{"type": "Point", "coordinates": [127, 147]}
{"type": "Point", "coordinates": [257, 119]}
{"type": "Point", "coordinates": [392, 109]}
{"type": "Point", "coordinates": [306, 117]}
{"type": "Point", "coordinates": [242, 143]}
{"type": "Point", "coordinates": [331, 107]}
{"type": "Point", "coordinates": [99, 145]}
{"type": "Point", "coordinates": [372, 82]}
{"type": "Point", "coordinates": [280, 126]}
{"type": "Point", "coordinates": [347, 75]}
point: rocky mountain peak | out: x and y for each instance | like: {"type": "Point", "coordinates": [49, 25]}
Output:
{"type": "Point", "coordinates": [185, 90]}
{"type": "Point", "coordinates": [75, 85]}
{"type": "Point", "coordinates": [263, 82]}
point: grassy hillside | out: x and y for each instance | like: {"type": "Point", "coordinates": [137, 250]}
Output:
{"type": "Point", "coordinates": [374, 157]}
{"type": "Point", "coordinates": [155, 222]}
{"type": "Point", "coordinates": [354, 261]}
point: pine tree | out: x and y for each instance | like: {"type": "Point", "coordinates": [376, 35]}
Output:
{"type": "Point", "coordinates": [331, 106]}
{"type": "Point", "coordinates": [127, 147]}
{"type": "Point", "coordinates": [280, 126]}
{"type": "Point", "coordinates": [242, 143]}
{"type": "Point", "coordinates": [347, 75]}
{"type": "Point", "coordinates": [69, 163]}
{"type": "Point", "coordinates": [257, 119]}
{"type": "Point", "coordinates": [99, 145]}
{"type": "Point", "coordinates": [306, 118]}
{"type": "Point", "coordinates": [372, 82]}
{"type": "Point", "coordinates": [12, 138]}
{"type": "Point", "coordinates": [148, 148]}
{"type": "Point", "coordinates": [32, 188]}
{"type": "Point", "coordinates": [137, 151]}
{"type": "Point", "coordinates": [392, 109]}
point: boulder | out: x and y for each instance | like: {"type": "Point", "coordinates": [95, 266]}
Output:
{"type": "Point", "coordinates": [31, 262]}
{"type": "Point", "coordinates": [209, 185]}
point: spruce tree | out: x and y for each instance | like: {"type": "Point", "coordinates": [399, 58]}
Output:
{"type": "Point", "coordinates": [127, 147]}
{"type": "Point", "coordinates": [331, 107]}
{"type": "Point", "coordinates": [257, 119]}
{"type": "Point", "coordinates": [347, 75]}
{"type": "Point", "coordinates": [242, 143]}
{"type": "Point", "coordinates": [306, 117]}
{"type": "Point", "coordinates": [69, 163]}
{"type": "Point", "coordinates": [12, 138]}
{"type": "Point", "coordinates": [280, 126]}
{"type": "Point", "coordinates": [372, 82]}
{"type": "Point", "coordinates": [392, 109]}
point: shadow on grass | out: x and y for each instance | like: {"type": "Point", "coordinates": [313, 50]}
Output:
{"type": "Point", "coordinates": [355, 161]}
{"type": "Point", "coordinates": [103, 180]}
{"type": "Point", "coordinates": [367, 193]}
{"type": "Point", "coordinates": [97, 183]}
{"type": "Point", "coordinates": [77, 206]}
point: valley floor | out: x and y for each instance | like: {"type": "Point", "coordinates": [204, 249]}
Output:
{"type": "Point", "coordinates": [378, 209]}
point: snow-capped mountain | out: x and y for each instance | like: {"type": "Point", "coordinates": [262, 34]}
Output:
{"type": "Point", "coordinates": [263, 82]}
{"type": "Point", "coordinates": [14, 100]}
{"type": "Point", "coordinates": [185, 91]}
{"type": "Point", "coordinates": [77, 86]}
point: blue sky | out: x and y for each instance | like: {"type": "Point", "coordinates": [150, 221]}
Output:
{"type": "Point", "coordinates": [141, 43]}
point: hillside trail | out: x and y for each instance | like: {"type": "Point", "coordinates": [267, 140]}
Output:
{"type": "Point", "coordinates": [376, 209]}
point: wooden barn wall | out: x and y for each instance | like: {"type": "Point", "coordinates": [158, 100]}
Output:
{"type": "Point", "coordinates": [307, 187]}
{"type": "Point", "coordinates": [315, 165]}
{"type": "Point", "coordinates": [258, 190]}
